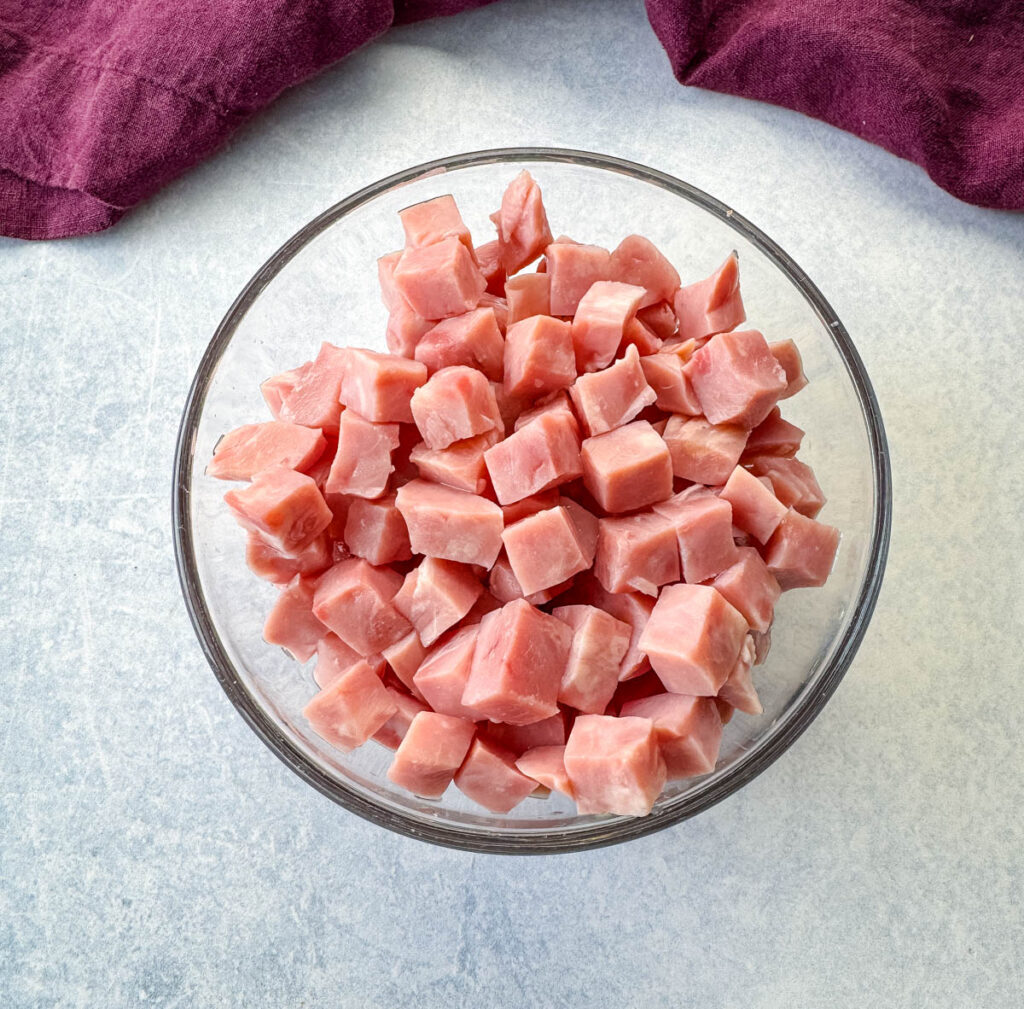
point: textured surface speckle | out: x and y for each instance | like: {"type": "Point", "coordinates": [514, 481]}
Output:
{"type": "Point", "coordinates": [153, 852]}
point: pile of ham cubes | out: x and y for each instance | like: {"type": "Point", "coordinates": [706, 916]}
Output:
{"type": "Point", "coordinates": [539, 544]}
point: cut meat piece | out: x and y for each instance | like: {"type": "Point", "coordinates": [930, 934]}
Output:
{"type": "Point", "coordinates": [608, 399]}
{"type": "Point", "coordinates": [433, 221]}
{"type": "Point", "coordinates": [703, 452]}
{"type": "Point", "coordinates": [599, 644]}
{"type": "Point", "coordinates": [600, 319]}
{"type": "Point", "coordinates": [489, 777]}
{"type": "Point", "coordinates": [674, 394]}
{"type": "Point", "coordinates": [523, 230]}
{"type": "Point", "coordinates": [788, 356]}
{"type": "Point", "coordinates": [431, 752]}
{"type": "Point", "coordinates": [755, 508]}
{"type": "Point", "coordinates": [530, 506]}
{"type": "Point", "coordinates": [631, 608]}
{"type": "Point", "coordinates": [774, 436]}
{"type": "Point", "coordinates": [540, 455]}
{"type": "Point", "coordinates": [545, 549]}
{"type": "Point", "coordinates": [379, 387]}
{"type": "Point", "coordinates": [286, 508]}
{"type": "Point", "coordinates": [450, 524]}
{"type": "Point", "coordinates": [636, 334]}
{"type": "Point", "coordinates": [439, 280]}
{"type": "Point", "coordinates": [375, 530]}
{"type": "Point", "coordinates": [455, 403]}
{"type": "Point", "coordinates": [291, 623]}
{"type": "Point", "coordinates": [334, 658]}
{"type": "Point", "coordinates": [313, 401]}
{"type": "Point", "coordinates": [538, 357]}
{"type": "Point", "coordinates": [266, 562]}
{"type": "Point", "coordinates": [713, 305]}
{"type": "Point", "coordinates": [585, 523]}
{"type": "Point", "coordinates": [386, 278]}
{"type": "Point", "coordinates": [443, 674]}
{"type": "Point", "coordinates": [394, 730]}
{"type": "Point", "coordinates": [573, 270]}
{"type": "Point", "coordinates": [703, 525]}
{"type": "Point", "coordinates": [614, 765]}
{"type": "Point", "coordinates": [242, 453]}
{"type": "Point", "coordinates": [404, 659]}
{"type": "Point", "coordinates": [277, 387]}
{"type": "Point", "coordinates": [627, 468]}
{"type": "Point", "coordinates": [688, 729]}
{"type": "Point", "coordinates": [637, 260]}
{"type": "Point", "coordinates": [793, 481]}
{"type": "Point", "coordinates": [546, 765]}
{"type": "Point", "coordinates": [802, 551]}
{"type": "Point", "coordinates": [636, 553]}
{"type": "Point", "coordinates": [460, 465]}
{"type": "Point", "coordinates": [751, 588]}
{"type": "Point", "coordinates": [488, 257]}
{"type": "Point", "coordinates": [405, 329]}
{"type": "Point", "coordinates": [473, 339]}
{"type": "Point", "coordinates": [528, 294]}
{"type": "Point", "coordinates": [351, 709]}
{"type": "Point", "coordinates": [518, 739]}
{"type": "Point", "coordinates": [436, 595]}
{"type": "Point", "coordinates": [693, 639]}
{"type": "Point", "coordinates": [505, 587]}
{"type": "Point", "coordinates": [739, 690]}
{"type": "Point", "coordinates": [499, 306]}
{"type": "Point", "coordinates": [660, 319]}
{"type": "Point", "coordinates": [518, 664]}
{"type": "Point", "coordinates": [362, 461]}
{"type": "Point", "coordinates": [556, 403]}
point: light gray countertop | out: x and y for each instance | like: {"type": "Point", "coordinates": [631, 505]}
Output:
{"type": "Point", "coordinates": [152, 850]}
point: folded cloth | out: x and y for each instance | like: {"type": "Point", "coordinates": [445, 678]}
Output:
{"type": "Point", "coordinates": [102, 102]}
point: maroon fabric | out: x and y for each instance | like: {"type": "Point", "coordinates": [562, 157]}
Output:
{"type": "Point", "coordinates": [104, 101]}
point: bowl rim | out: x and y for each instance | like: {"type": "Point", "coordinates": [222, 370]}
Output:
{"type": "Point", "coordinates": [530, 840]}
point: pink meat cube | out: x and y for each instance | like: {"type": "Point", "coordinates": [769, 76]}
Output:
{"type": "Point", "coordinates": [313, 401]}
{"type": "Point", "coordinates": [530, 505]}
{"type": "Point", "coordinates": [286, 508]}
{"type": "Point", "coordinates": [802, 551]}
{"type": "Point", "coordinates": [703, 525]}
{"type": "Point", "coordinates": [660, 319]}
{"type": "Point", "coordinates": [736, 379]}
{"type": "Point", "coordinates": [627, 468]}
{"type": "Point", "coordinates": [573, 270]}
{"type": "Point", "coordinates": [613, 397]}
{"type": "Point", "coordinates": [354, 598]}
{"type": "Point", "coordinates": [713, 305]}
{"type": "Point", "coordinates": [636, 334]}
{"type": "Point", "coordinates": [688, 729]}
{"type": "Point", "coordinates": [379, 387]}
{"type": "Point", "coordinates": [473, 339]}
{"type": "Point", "coordinates": [375, 530]}
{"type": "Point", "coordinates": [455, 403]}
{"type": "Point", "coordinates": [489, 777]}
{"type": "Point", "coordinates": [773, 436]}
{"type": "Point", "coordinates": [460, 465]}
{"type": "Point", "coordinates": [518, 664]}
{"type": "Point", "coordinates": [351, 709]}
{"type": "Point", "coordinates": [600, 319]}
{"type": "Point", "coordinates": [545, 549]}
{"type": "Point", "coordinates": [546, 765]}
{"type": "Point", "coordinates": [556, 403]}
{"type": "Point", "coordinates": [439, 280]}
{"type": "Point", "coordinates": [637, 261]}
{"type": "Point", "coordinates": [334, 658]}
{"type": "Point", "coordinates": [636, 553]}
{"type": "Point", "coordinates": [528, 294]}
{"type": "Point", "coordinates": [538, 357]}
{"type": "Point", "coordinates": [751, 588]}
{"type": "Point", "coordinates": [436, 595]}
{"type": "Point", "coordinates": [266, 562]}
{"type": "Point", "coordinates": [693, 639]}
{"type": "Point", "coordinates": [386, 279]}
{"type": "Point", "coordinates": [450, 524]}
{"type": "Point", "coordinates": [362, 461]}
{"type": "Point", "coordinates": [674, 394]}
{"type": "Point", "coordinates": [291, 623]}
{"type": "Point", "coordinates": [443, 674]}
{"type": "Point", "coordinates": [793, 481]}
{"type": "Point", "coordinates": [631, 608]}
{"type": "Point", "coordinates": [523, 231]}
{"type": "Point", "coordinates": [277, 387]}
{"type": "Point", "coordinates": [405, 329]}
{"type": "Point", "coordinates": [497, 304]}
{"type": "Point", "coordinates": [540, 455]}
{"type": "Point", "coordinates": [242, 453]}
{"type": "Point", "coordinates": [432, 751]}
{"type": "Point", "coordinates": [755, 508]}
{"type": "Point", "coordinates": [738, 690]}
{"type": "Point", "coordinates": [504, 586]}
{"type": "Point", "coordinates": [488, 258]}
{"type": "Point", "coordinates": [517, 739]}
{"type": "Point", "coordinates": [404, 658]}
{"type": "Point", "coordinates": [599, 644]}
{"type": "Point", "coordinates": [614, 765]}
{"type": "Point", "coordinates": [394, 730]}
{"type": "Point", "coordinates": [788, 356]}
{"type": "Point", "coordinates": [586, 526]}
{"type": "Point", "coordinates": [433, 221]}
{"type": "Point", "coordinates": [703, 452]}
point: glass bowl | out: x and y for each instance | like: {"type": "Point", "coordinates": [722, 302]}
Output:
{"type": "Point", "coordinates": [322, 285]}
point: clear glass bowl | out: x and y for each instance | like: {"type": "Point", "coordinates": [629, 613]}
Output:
{"type": "Point", "coordinates": [322, 285]}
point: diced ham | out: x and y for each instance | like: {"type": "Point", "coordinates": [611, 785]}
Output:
{"type": "Point", "coordinates": [405, 329]}
{"type": "Point", "coordinates": [439, 280]}
{"type": "Point", "coordinates": [334, 658]}
{"type": "Point", "coordinates": [455, 403]}
{"type": "Point", "coordinates": [703, 452]}
{"type": "Point", "coordinates": [755, 508]}
{"type": "Point", "coordinates": [433, 749]}
{"type": "Point", "coordinates": [351, 709]}
{"type": "Point", "coordinates": [614, 765]}
{"type": "Point", "coordinates": [354, 598]}
{"type": "Point", "coordinates": [788, 356]}
{"type": "Point", "coordinates": [518, 739]}
{"type": "Point", "coordinates": [460, 465]}
{"type": "Point", "coordinates": [586, 526]}
{"type": "Point", "coordinates": [573, 270]}
{"type": "Point", "coordinates": [636, 260]}
{"type": "Point", "coordinates": [518, 664]}
{"type": "Point", "coordinates": [379, 387]}
{"type": "Point", "coordinates": [802, 551]}
{"type": "Point", "coordinates": [313, 401]}
{"type": "Point", "coordinates": [488, 257]}
{"type": "Point", "coordinates": [433, 221]}
{"type": "Point", "coordinates": [750, 587]}
{"type": "Point", "coordinates": [627, 468]}
{"type": "Point", "coordinates": [291, 623]}
{"type": "Point", "coordinates": [394, 730]}
{"type": "Point", "coordinates": [713, 305]}
{"type": "Point", "coordinates": [505, 587]}
{"type": "Point", "coordinates": [375, 530]}
{"type": "Point", "coordinates": [599, 644]}
{"type": "Point", "coordinates": [773, 436]}
{"type": "Point", "coordinates": [242, 453]}
{"type": "Point", "coordinates": [528, 294]}
{"type": "Point", "coordinates": [545, 549]}
{"type": "Point", "coordinates": [404, 659]}
{"type": "Point", "coordinates": [637, 334]}
{"type": "Point", "coordinates": [266, 562]}
{"type": "Point", "coordinates": [277, 387]}
{"type": "Point", "coordinates": [739, 689]}
{"type": "Point", "coordinates": [538, 357]}
{"type": "Point", "coordinates": [793, 481]}
{"type": "Point", "coordinates": [530, 506]}
{"type": "Point", "coordinates": [490, 778]}
{"type": "Point", "coordinates": [693, 639]}
{"type": "Point", "coordinates": [672, 389]}
{"type": "Point", "coordinates": [631, 608]}
{"type": "Point", "coordinates": [703, 525]}
{"type": "Point", "coordinates": [556, 403]}
{"type": "Point", "coordinates": [636, 553]}
{"type": "Point", "coordinates": [443, 674]}
{"type": "Point", "coordinates": [540, 455]}
{"type": "Point", "coordinates": [472, 339]}
{"type": "Point", "coordinates": [436, 595]}
{"type": "Point", "coordinates": [660, 319]}
{"type": "Point", "coordinates": [386, 278]}
{"type": "Point", "coordinates": [523, 230]}
{"type": "Point", "coordinates": [450, 524]}
{"type": "Point", "coordinates": [362, 462]}
{"type": "Point", "coordinates": [546, 765]}
{"type": "Point", "coordinates": [688, 730]}
{"type": "Point", "coordinates": [613, 397]}
{"type": "Point", "coordinates": [499, 306]}
{"type": "Point", "coordinates": [600, 319]}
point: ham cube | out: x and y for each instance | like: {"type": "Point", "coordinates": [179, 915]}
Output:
{"type": "Point", "coordinates": [660, 319]}
{"type": "Point", "coordinates": [450, 524]}
{"type": "Point", "coordinates": [573, 270]}
{"type": "Point", "coordinates": [404, 659]}
{"type": "Point", "coordinates": [266, 562]}
{"type": "Point", "coordinates": [473, 339]}
{"type": "Point", "coordinates": [334, 658]}
{"type": "Point", "coordinates": [386, 279]}
{"type": "Point", "coordinates": [432, 750]}
{"type": "Point", "coordinates": [443, 674]}
{"type": "Point", "coordinates": [636, 553]}
{"type": "Point", "coordinates": [523, 230]}
{"type": "Point", "coordinates": [537, 457]}
{"type": "Point", "coordinates": [362, 461]}
{"type": "Point", "coordinates": [713, 305]}
{"type": "Point", "coordinates": [788, 356]}
{"type": "Point", "coordinates": [600, 320]}
{"type": "Point", "coordinates": [736, 379]}
{"type": "Point", "coordinates": [693, 639]}
{"type": "Point", "coordinates": [375, 530]}
{"type": "Point", "coordinates": [538, 357]}
{"type": "Point", "coordinates": [436, 595]}
{"type": "Point", "coordinates": [672, 389]}
{"type": "Point", "coordinates": [405, 329]}
{"type": "Point", "coordinates": [454, 404]}
{"type": "Point", "coordinates": [395, 729]}
{"type": "Point", "coordinates": [242, 453]}
{"type": "Point", "coordinates": [738, 691]}
{"type": "Point", "coordinates": [291, 623]}
{"type": "Point", "coordinates": [793, 481]}
{"type": "Point", "coordinates": [517, 739]}
{"type": "Point", "coordinates": [703, 452]}
{"type": "Point", "coordinates": [277, 387]}
{"type": "Point", "coordinates": [688, 730]}
{"type": "Point", "coordinates": [528, 294]}
{"type": "Point", "coordinates": [703, 525]}
{"type": "Point", "coordinates": [636, 334]}
{"type": "Point", "coordinates": [351, 709]}
{"type": "Point", "coordinates": [802, 551]}
{"type": "Point", "coordinates": [755, 508]}
{"type": "Point", "coordinates": [433, 221]}
{"type": "Point", "coordinates": [751, 588]}
{"type": "Point", "coordinates": [518, 663]}
{"type": "Point", "coordinates": [773, 436]}
{"type": "Point", "coordinates": [631, 608]}
{"type": "Point", "coordinates": [545, 549]}
{"type": "Point", "coordinates": [614, 765]}
{"type": "Point", "coordinates": [460, 465]}
{"type": "Point", "coordinates": [439, 280]}
{"type": "Point", "coordinates": [286, 508]}
{"type": "Point", "coordinates": [354, 598]}
{"type": "Point", "coordinates": [637, 261]}
{"type": "Point", "coordinates": [379, 387]}
{"type": "Point", "coordinates": [546, 765]}
{"type": "Point", "coordinates": [488, 258]}
{"type": "Point", "coordinates": [627, 468]}
{"type": "Point", "coordinates": [599, 644]}
{"type": "Point", "coordinates": [505, 587]}
{"type": "Point", "coordinates": [613, 397]}
{"type": "Point", "coordinates": [313, 401]}
{"type": "Point", "coordinates": [556, 403]}
{"type": "Point", "coordinates": [490, 778]}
